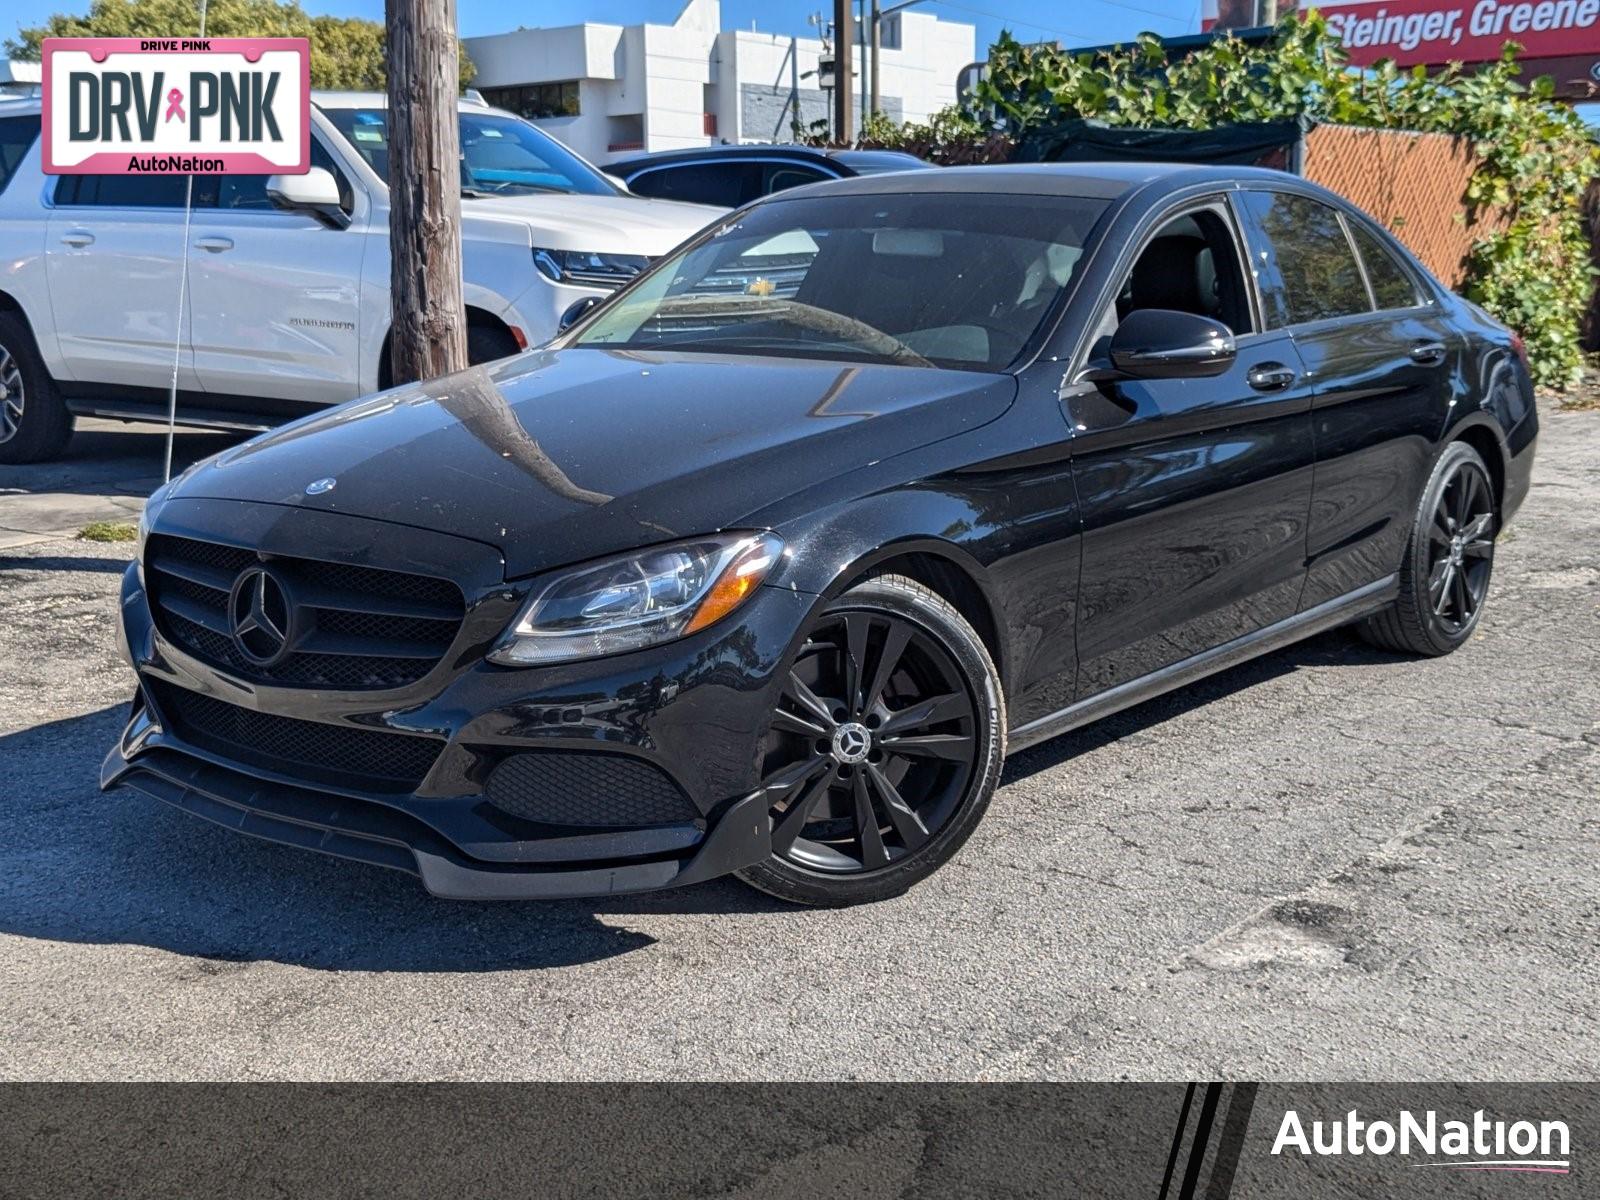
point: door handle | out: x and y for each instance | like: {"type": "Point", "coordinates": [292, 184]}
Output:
{"type": "Point", "coordinates": [77, 238]}
{"type": "Point", "coordinates": [215, 244]}
{"type": "Point", "coordinates": [1427, 353]}
{"type": "Point", "coordinates": [1270, 377]}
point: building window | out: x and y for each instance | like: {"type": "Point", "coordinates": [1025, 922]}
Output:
{"type": "Point", "coordinates": [536, 100]}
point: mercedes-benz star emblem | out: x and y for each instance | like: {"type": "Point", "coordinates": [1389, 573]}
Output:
{"type": "Point", "coordinates": [851, 741]}
{"type": "Point", "coordinates": [261, 614]}
{"type": "Point", "coordinates": [317, 486]}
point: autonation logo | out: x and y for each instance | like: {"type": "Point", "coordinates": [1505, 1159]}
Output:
{"type": "Point", "coordinates": [1476, 1145]}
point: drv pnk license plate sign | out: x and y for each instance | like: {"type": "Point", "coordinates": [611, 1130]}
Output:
{"type": "Point", "coordinates": [177, 106]}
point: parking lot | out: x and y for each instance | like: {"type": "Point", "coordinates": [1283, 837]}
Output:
{"type": "Point", "coordinates": [1331, 863]}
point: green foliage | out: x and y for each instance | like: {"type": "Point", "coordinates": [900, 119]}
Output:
{"type": "Point", "coordinates": [1535, 155]}
{"type": "Point", "coordinates": [346, 53]}
{"type": "Point", "coordinates": [108, 531]}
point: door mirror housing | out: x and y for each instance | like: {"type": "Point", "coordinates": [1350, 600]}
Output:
{"type": "Point", "coordinates": [1158, 343]}
{"type": "Point", "coordinates": [315, 192]}
{"type": "Point", "coordinates": [576, 311]}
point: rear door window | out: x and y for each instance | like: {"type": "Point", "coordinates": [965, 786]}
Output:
{"type": "Point", "coordinates": [17, 135]}
{"type": "Point", "coordinates": [782, 176]}
{"type": "Point", "coordinates": [1302, 259]}
{"type": "Point", "coordinates": [728, 184]}
{"type": "Point", "coordinates": [1392, 284]}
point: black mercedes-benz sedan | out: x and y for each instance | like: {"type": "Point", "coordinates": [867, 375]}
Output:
{"type": "Point", "coordinates": [764, 565]}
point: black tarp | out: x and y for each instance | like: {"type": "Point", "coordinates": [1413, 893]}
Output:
{"type": "Point", "coordinates": [1269, 144]}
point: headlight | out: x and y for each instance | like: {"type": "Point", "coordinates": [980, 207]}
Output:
{"type": "Point", "coordinates": [587, 268]}
{"type": "Point", "coordinates": [639, 599]}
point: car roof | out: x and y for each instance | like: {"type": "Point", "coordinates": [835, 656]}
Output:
{"type": "Point", "coordinates": [1103, 181]}
{"type": "Point", "coordinates": [900, 159]}
{"type": "Point", "coordinates": [381, 100]}
{"type": "Point", "coordinates": [657, 158]}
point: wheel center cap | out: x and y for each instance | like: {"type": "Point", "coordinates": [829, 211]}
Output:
{"type": "Point", "coordinates": [1455, 552]}
{"type": "Point", "coordinates": [851, 741]}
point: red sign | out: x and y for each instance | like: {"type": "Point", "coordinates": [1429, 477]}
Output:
{"type": "Point", "coordinates": [1439, 31]}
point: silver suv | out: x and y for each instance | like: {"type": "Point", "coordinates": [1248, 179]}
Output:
{"type": "Point", "coordinates": [286, 303]}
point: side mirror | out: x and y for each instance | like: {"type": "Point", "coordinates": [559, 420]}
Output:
{"type": "Point", "coordinates": [316, 192]}
{"type": "Point", "coordinates": [576, 312]}
{"type": "Point", "coordinates": [1157, 343]}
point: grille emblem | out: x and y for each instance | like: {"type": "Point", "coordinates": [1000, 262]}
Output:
{"type": "Point", "coordinates": [317, 486]}
{"type": "Point", "coordinates": [262, 616]}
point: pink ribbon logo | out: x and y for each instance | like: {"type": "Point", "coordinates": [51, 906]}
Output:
{"type": "Point", "coordinates": [174, 106]}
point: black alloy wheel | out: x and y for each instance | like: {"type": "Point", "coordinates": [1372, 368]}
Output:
{"type": "Point", "coordinates": [1445, 578]}
{"type": "Point", "coordinates": [884, 747]}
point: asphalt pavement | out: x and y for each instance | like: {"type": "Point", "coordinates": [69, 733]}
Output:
{"type": "Point", "coordinates": [1332, 863]}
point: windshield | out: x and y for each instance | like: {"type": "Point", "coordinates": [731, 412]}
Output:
{"type": "Point", "coordinates": [500, 155]}
{"type": "Point", "coordinates": [924, 279]}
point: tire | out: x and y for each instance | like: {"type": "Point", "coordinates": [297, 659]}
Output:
{"type": "Point", "coordinates": [1444, 577]}
{"type": "Point", "coordinates": [486, 343]}
{"type": "Point", "coordinates": [34, 422]}
{"type": "Point", "coordinates": [919, 743]}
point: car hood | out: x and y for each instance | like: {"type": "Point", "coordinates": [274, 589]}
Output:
{"type": "Point", "coordinates": [610, 224]}
{"type": "Point", "coordinates": [556, 456]}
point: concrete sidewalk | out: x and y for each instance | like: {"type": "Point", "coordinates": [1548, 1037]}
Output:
{"type": "Point", "coordinates": [106, 473]}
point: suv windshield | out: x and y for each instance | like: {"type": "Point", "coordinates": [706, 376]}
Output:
{"type": "Point", "coordinates": [500, 155]}
{"type": "Point", "coordinates": [925, 279]}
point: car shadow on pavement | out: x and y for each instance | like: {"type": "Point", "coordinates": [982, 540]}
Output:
{"type": "Point", "coordinates": [120, 868]}
{"type": "Point", "coordinates": [23, 563]}
{"type": "Point", "coordinates": [1337, 647]}
{"type": "Point", "coordinates": [106, 458]}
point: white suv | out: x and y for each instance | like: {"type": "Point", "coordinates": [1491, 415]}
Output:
{"type": "Point", "coordinates": [286, 304]}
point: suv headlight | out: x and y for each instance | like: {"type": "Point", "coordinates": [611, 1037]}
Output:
{"type": "Point", "coordinates": [639, 599]}
{"type": "Point", "coordinates": [586, 268]}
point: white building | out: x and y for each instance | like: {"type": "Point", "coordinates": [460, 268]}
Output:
{"type": "Point", "coordinates": [18, 78]}
{"type": "Point", "coordinates": [611, 90]}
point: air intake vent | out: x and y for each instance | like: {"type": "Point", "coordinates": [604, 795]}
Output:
{"type": "Point", "coordinates": [367, 760]}
{"type": "Point", "coordinates": [576, 788]}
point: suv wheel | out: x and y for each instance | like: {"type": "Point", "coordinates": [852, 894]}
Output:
{"type": "Point", "coordinates": [884, 750]}
{"type": "Point", "coordinates": [34, 423]}
{"type": "Point", "coordinates": [1444, 579]}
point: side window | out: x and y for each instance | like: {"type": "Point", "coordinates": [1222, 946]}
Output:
{"type": "Point", "coordinates": [128, 191]}
{"type": "Point", "coordinates": [728, 184]}
{"type": "Point", "coordinates": [1392, 285]}
{"type": "Point", "coordinates": [1190, 265]}
{"type": "Point", "coordinates": [250, 191]}
{"type": "Point", "coordinates": [782, 176]}
{"type": "Point", "coordinates": [1304, 262]}
{"type": "Point", "coordinates": [17, 135]}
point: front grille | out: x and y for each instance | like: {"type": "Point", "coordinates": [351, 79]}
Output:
{"type": "Point", "coordinates": [365, 759]}
{"type": "Point", "coordinates": [572, 787]}
{"type": "Point", "coordinates": [365, 628]}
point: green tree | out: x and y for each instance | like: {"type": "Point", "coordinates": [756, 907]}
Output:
{"type": "Point", "coordinates": [1535, 155]}
{"type": "Point", "coordinates": [346, 53]}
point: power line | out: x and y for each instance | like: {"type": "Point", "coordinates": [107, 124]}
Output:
{"type": "Point", "coordinates": [1015, 21]}
{"type": "Point", "coordinates": [1149, 12]}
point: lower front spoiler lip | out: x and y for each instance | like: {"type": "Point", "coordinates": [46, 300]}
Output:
{"type": "Point", "coordinates": [367, 833]}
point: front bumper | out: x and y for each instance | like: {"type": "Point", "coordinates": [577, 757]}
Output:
{"type": "Point", "coordinates": [695, 710]}
{"type": "Point", "coordinates": [349, 828]}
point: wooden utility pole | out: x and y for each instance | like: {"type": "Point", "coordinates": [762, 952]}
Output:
{"type": "Point", "coordinates": [843, 51]}
{"type": "Point", "coordinates": [429, 331]}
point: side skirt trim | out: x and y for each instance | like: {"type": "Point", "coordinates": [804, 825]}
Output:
{"type": "Point", "coordinates": [1338, 611]}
